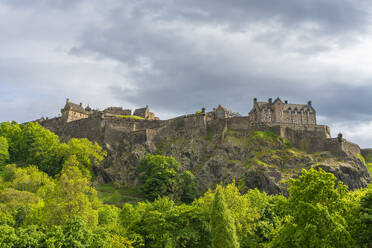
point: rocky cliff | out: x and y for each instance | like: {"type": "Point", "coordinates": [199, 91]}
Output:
{"type": "Point", "coordinates": [218, 151]}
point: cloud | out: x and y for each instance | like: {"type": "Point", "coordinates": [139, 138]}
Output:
{"type": "Point", "coordinates": [179, 56]}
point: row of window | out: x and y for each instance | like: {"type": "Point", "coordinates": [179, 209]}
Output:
{"type": "Point", "coordinates": [305, 121]}
{"type": "Point", "coordinates": [292, 112]}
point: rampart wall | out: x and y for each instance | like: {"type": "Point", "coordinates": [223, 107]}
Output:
{"type": "Point", "coordinates": [111, 130]}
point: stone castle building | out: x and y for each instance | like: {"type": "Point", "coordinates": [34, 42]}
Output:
{"type": "Point", "coordinates": [73, 112]}
{"type": "Point", "coordinates": [294, 122]}
{"type": "Point", "coordinates": [283, 112]}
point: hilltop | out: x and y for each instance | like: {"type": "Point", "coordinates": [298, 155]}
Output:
{"type": "Point", "coordinates": [274, 142]}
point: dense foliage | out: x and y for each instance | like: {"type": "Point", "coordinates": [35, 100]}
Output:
{"type": "Point", "coordinates": [162, 176]}
{"type": "Point", "coordinates": [222, 225]}
{"type": "Point", "coordinates": [32, 144]}
{"type": "Point", "coordinates": [47, 200]}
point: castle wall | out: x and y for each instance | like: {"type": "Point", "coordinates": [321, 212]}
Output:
{"type": "Point", "coordinates": [90, 128]}
{"type": "Point", "coordinates": [117, 111]}
{"type": "Point", "coordinates": [110, 130]}
{"type": "Point", "coordinates": [54, 124]}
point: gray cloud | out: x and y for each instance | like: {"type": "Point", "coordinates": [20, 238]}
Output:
{"type": "Point", "coordinates": [179, 56]}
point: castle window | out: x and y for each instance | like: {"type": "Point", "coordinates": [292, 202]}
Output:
{"type": "Point", "coordinates": [281, 113]}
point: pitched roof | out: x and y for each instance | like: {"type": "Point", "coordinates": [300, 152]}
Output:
{"type": "Point", "coordinates": [298, 107]}
{"type": "Point", "coordinates": [140, 111]}
{"type": "Point", "coordinates": [287, 106]}
{"type": "Point", "coordinates": [74, 107]}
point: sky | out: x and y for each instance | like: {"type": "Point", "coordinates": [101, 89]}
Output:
{"type": "Point", "coordinates": [180, 56]}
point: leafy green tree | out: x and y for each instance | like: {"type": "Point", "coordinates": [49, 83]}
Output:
{"type": "Point", "coordinates": [8, 238]}
{"type": "Point", "coordinates": [315, 213]}
{"type": "Point", "coordinates": [76, 233]}
{"type": "Point", "coordinates": [12, 132]}
{"type": "Point", "coordinates": [365, 238]}
{"type": "Point", "coordinates": [12, 200]}
{"type": "Point", "coordinates": [242, 210]}
{"type": "Point", "coordinates": [189, 188]}
{"type": "Point", "coordinates": [30, 143]}
{"type": "Point", "coordinates": [6, 219]}
{"type": "Point", "coordinates": [108, 215]}
{"type": "Point", "coordinates": [4, 151]}
{"type": "Point", "coordinates": [72, 196]}
{"type": "Point", "coordinates": [27, 179]}
{"type": "Point", "coordinates": [86, 153]}
{"type": "Point", "coordinates": [29, 236]}
{"type": "Point", "coordinates": [54, 238]}
{"type": "Point", "coordinates": [117, 241]}
{"type": "Point", "coordinates": [176, 226]}
{"type": "Point", "coordinates": [162, 176]}
{"type": "Point", "coordinates": [223, 230]}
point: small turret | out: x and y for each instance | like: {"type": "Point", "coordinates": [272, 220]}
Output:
{"type": "Point", "coordinates": [270, 101]}
{"type": "Point", "coordinates": [309, 103]}
{"type": "Point", "coordinates": [254, 100]}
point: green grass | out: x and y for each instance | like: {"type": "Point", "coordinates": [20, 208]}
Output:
{"type": "Point", "coordinates": [118, 196]}
{"type": "Point", "coordinates": [367, 162]}
{"type": "Point", "coordinates": [369, 166]}
{"type": "Point", "coordinates": [130, 117]}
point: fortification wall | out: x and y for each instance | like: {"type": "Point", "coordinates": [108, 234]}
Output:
{"type": "Point", "coordinates": [91, 128]}
{"type": "Point", "coordinates": [109, 131]}
{"type": "Point", "coordinates": [54, 124]}
{"type": "Point", "coordinates": [187, 124]}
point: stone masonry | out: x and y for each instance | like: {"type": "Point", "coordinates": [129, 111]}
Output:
{"type": "Point", "coordinates": [295, 122]}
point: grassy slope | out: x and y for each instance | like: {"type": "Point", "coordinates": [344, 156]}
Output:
{"type": "Point", "coordinates": [110, 194]}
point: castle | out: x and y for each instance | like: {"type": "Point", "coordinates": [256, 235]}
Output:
{"type": "Point", "coordinates": [279, 112]}
{"type": "Point", "coordinates": [73, 112]}
{"type": "Point", "coordinates": [294, 122]}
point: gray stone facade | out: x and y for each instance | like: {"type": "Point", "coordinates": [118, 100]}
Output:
{"type": "Point", "coordinates": [283, 112]}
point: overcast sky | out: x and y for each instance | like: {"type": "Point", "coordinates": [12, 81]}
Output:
{"type": "Point", "coordinates": [180, 55]}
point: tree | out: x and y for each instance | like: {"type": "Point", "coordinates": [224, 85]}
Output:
{"type": "Point", "coordinates": [29, 236]}
{"type": "Point", "coordinates": [117, 241]}
{"type": "Point", "coordinates": [162, 176]}
{"type": "Point", "coordinates": [189, 188]}
{"type": "Point", "coordinates": [241, 209]}
{"type": "Point", "coordinates": [86, 153]}
{"type": "Point", "coordinates": [222, 224]}
{"type": "Point", "coordinates": [72, 196]}
{"type": "Point", "coordinates": [176, 226]}
{"type": "Point", "coordinates": [31, 143]}
{"type": "Point", "coordinates": [315, 209]}
{"type": "Point", "coordinates": [4, 152]}
{"type": "Point", "coordinates": [76, 233]}
{"type": "Point", "coordinates": [365, 238]}
{"type": "Point", "coordinates": [8, 238]}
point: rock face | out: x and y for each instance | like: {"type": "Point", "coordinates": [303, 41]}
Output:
{"type": "Point", "coordinates": [219, 151]}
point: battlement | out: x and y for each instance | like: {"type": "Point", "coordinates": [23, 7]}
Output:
{"type": "Point", "coordinates": [294, 122]}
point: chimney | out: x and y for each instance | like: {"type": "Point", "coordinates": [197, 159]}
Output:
{"type": "Point", "coordinates": [309, 103]}
{"type": "Point", "coordinates": [67, 100]}
{"type": "Point", "coordinates": [81, 104]}
{"type": "Point", "coordinates": [286, 101]}
{"type": "Point", "coordinates": [254, 100]}
{"type": "Point", "coordinates": [203, 110]}
{"type": "Point", "coordinates": [270, 101]}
